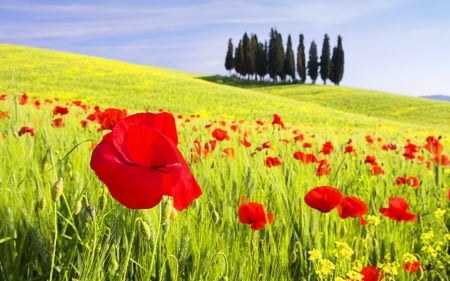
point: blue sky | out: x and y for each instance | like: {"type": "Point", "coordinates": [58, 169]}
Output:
{"type": "Point", "coordinates": [399, 46]}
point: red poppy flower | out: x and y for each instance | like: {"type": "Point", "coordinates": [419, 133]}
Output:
{"type": "Point", "coordinates": [299, 137]}
{"type": "Point", "coordinates": [3, 115]}
{"type": "Point", "coordinates": [444, 160]}
{"type": "Point", "coordinates": [254, 214]}
{"type": "Point", "coordinates": [352, 207]}
{"type": "Point", "coordinates": [448, 194]}
{"type": "Point", "coordinates": [139, 162]}
{"type": "Point", "coordinates": [307, 145]}
{"type": "Point", "coordinates": [266, 145]}
{"type": "Point", "coordinates": [349, 149]}
{"type": "Point", "coordinates": [58, 123]}
{"type": "Point", "coordinates": [229, 153]}
{"type": "Point", "coordinates": [3, 97]}
{"type": "Point", "coordinates": [220, 134]}
{"type": "Point", "coordinates": [412, 181]}
{"type": "Point", "coordinates": [370, 160]}
{"type": "Point", "coordinates": [23, 99]}
{"type": "Point", "coordinates": [235, 128]}
{"type": "Point", "coordinates": [277, 120]}
{"type": "Point", "coordinates": [37, 104]}
{"type": "Point", "coordinates": [389, 146]}
{"type": "Point", "coordinates": [372, 273]}
{"type": "Point", "coordinates": [398, 210]}
{"type": "Point", "coordinates": [412, 266]}
{"type": "Point", "coordinates": [369, 139]}
{"type": "Point", "coordinates": [323, 198]}
{"type": "Point", "coordinates": [323, 168]}
{"type": "Point", "coordinates": [377, 170]}
{"type": "Point", "coordinates": [433, 145]}
{"type": "Point", "coordinates": [109, 117]}
{"type": "Point", "coordinates": [245, 142]}
{"type": "Point", "coordinates": [410, 150]}
{"type": "Point", "coordinates": [306, 158]}
{"type": "Point", "coordinates": [25, 130]}
{"type": "Point", "coordinates": [327, 148]}
{"type": "Point", "coordinates": [84, 123]}
{"type": "Point", "coordinates": [272, 162]}
{"type": "Point", "coordinates": [61, 110]}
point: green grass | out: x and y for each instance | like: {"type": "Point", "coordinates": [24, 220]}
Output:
{"type": "Point", "coordinates": [41, 239]}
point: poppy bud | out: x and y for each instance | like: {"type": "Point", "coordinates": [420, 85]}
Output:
{"type": "Point", "coordinates": [91, 211]}
{"type": "Point", "coordinates": [146, 230]}
{"type": "Point", "coordinates": [77, 208]}
{"type": "Point", "coordinates": [57, 189]}
{"type": "Point", "coordinates": [102, 202]}
{"type": "Point", "coordinates": [173, 213]}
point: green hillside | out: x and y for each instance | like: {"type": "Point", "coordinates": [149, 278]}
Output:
{"type": "Point", "coordinates": [49, 74]}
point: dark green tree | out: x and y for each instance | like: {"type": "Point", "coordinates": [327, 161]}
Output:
{"type": "Point", "coordinates": [275, 55]}
{"type": "Point", "coordinates": [301, 61]}
{"type": "Point", "coordinates": [229, 59]}
{"type": "Point", "coordinates": [254, 53]}
{"type": "Point", "coordinates": [325, 62]}
{"type": "Point", "coordinates": [313, 64]}
{"type": "Point", "coordinates": [249, 56]}
{"type": "Point", "coordinates": [337, 63]}
{"type": "Point", "coordinates": [261, 60]}
{"type": "Point", "coordinates": [289, 64]}
{"type": "Point", "coordinates": [239, 59]}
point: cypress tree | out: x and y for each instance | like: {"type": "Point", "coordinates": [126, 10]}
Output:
{"type": "Point", "coordinates": [229, 59]}
{"type": "Point", "coordinates": [313, 64]}
{"type": "Point", "coordinates": [254, 52]}
{"type": "Point", "coordinates": [261, 60]}
{"type": "Point", "coordinates": [289, 65]}
{"type": "Point", "coordinates": [239, 59]}
{"type": "Point", "coordinates": [325, 59]}
{"type": "Point", "coordinates": [301, 62]}
{"type": "Point", "coordinates": [276, 55]}
{"type": "Point", "coordinates": [249, 56]}
{"type": "Point", "coordinates": [337, 63]}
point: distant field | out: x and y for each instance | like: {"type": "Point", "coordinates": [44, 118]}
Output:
{"type": "Point", "coordinates": [365, 102]}
{"type": "Point", "coordinates": [256, 151]}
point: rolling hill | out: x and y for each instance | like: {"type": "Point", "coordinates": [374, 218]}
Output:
{"type": "Point", "coordinates": [48, 74]}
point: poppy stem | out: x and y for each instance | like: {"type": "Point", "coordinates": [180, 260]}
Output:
{"type": "Point", "coordinates": [55, 237]}
{"type": "Point", "coordinates": [74, 147]}
{"type": "Point", "coordinates": [127, 259]}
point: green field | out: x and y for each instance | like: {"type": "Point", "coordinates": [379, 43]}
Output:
{"type": "Point", "coordinates": [42, 239]}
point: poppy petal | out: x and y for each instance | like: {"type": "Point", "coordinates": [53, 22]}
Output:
{"type": "Point", "coordinates": [133, 186]}
{"type": "Point", "coordinates": [323, 198]}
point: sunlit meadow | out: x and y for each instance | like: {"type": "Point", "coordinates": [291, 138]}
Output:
{"type": "Point", "coordinates": [59, 221]}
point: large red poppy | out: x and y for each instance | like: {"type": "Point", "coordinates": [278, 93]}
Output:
{"type": "Point", "coordinates": [139, 162]}
{"type": "Point", "coordinates": [398, 210]}
{"type": "Point", "coordinates": [352, 207]}
{"type": "Point", "coordinates": [253, 213]}
{"type": "Point", "coordinates": [323, 198]}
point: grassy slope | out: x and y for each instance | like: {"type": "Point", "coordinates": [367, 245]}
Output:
{"type": "Point", "coordinates": [370, 103]}
{"type": "Point", "coordinates": [43, 74]}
